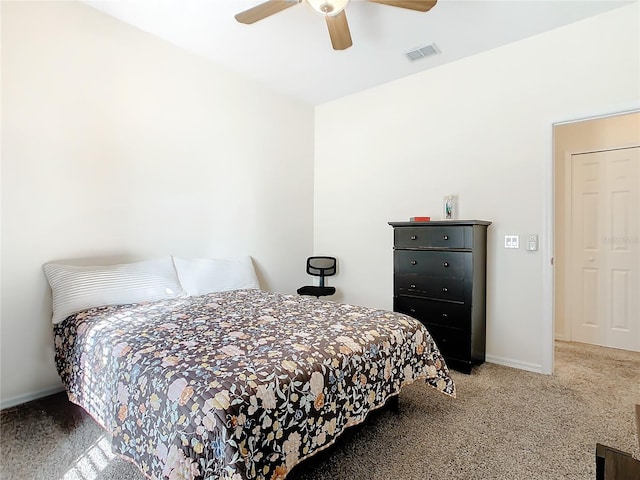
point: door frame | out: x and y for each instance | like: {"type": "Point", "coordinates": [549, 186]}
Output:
{"type": "Point", "coordinates": [558, 194]}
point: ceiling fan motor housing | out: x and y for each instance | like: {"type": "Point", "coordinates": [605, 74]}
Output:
{"type": "Point", "coordinates": [328, 7]}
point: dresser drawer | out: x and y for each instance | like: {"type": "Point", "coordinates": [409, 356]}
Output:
{"type": "Point", "coordinates": [446, 264]}
{"type": "Point", "coordinates": [430, 237]}
{"type": "Point", "coordinates": [452, 342]}
{"type": "Point", "coordinates": [433, 312]}
{"type": "Point", "coordinates": [445, 288]}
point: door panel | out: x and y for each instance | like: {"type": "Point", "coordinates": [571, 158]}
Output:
{"type": "Point", "coordinates": [605, 248]}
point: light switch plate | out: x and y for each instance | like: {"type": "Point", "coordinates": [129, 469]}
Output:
{"type": "Point", "coordinates": [512, 241]}
{"type": "Point", "coordinates": [532, 242]}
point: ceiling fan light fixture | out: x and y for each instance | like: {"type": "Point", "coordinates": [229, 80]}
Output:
{"type": "Point", "coordinates": [328, 7]}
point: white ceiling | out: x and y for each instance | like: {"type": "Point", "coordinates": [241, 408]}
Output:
{"type": "Point", "coordinates": [291, 51]}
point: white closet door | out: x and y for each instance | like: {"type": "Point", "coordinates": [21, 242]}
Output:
{"type": "Point", "coordinates": [605, 237]}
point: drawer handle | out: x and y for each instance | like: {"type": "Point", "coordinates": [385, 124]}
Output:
{"type": "Point", "coordinates": [445, 264]}
{"type": "Point", "coordinates": [412, 286]}
{"type": "Point", "coordinates": [445, 237]}
{"type": "Point", "coordinates": [445, 289]}
{"type": "Point", "coordinates": [413, 262]}
{"type": "Point", "coordinates": [413, 237]}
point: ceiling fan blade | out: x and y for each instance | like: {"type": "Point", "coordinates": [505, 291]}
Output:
{"type": "Point", "coordinates": [264, 10]}
{"type": "Point", "coordinates": [339, 31]}
{"type": "Point", "coordinates": [419, 5]}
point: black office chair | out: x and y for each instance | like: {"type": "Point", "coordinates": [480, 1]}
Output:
{"type": "Point", "coordinates": [319, 267]}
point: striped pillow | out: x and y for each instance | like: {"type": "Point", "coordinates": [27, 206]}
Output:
{"type": "Point", "coordinates": [77, 288]}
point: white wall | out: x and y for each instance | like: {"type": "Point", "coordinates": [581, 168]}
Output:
{"type": "Point", "coordinates": [479, 128]}
{"type": "Point", "coordinates": [116, 144]}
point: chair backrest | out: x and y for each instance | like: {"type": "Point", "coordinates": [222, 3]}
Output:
{"type": "Point", "coordinates": [321, 266]}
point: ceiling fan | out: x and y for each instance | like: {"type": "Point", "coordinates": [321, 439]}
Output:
{"type": "Point", "coordinates": [333, 12]}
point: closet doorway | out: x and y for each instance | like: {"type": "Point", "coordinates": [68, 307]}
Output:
{"type": "Point", "coordinates": [597, 231]}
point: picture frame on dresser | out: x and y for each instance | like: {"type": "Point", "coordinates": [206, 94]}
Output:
{"type": "Point", "coordinates": [439, 278]}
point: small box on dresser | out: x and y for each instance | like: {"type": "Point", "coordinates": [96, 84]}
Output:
{"type": "Point", "coordinates": [439, 278]}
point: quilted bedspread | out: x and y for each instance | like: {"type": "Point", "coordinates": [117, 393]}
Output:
{"type": "Point", "coordinates": [237, 385]}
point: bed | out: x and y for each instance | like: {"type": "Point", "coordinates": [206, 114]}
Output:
{"type": "Point", "coordinates": [238, 384]}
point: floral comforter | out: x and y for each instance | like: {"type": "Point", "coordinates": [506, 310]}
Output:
{"type": "Point", "coordinates": [237, 385]}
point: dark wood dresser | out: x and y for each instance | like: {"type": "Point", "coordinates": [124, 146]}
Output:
{"type": "Point", "coordinates": [439, 278]}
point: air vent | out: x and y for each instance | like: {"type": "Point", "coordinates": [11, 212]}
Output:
{"type": "Point", "coordinates": [422, 52]}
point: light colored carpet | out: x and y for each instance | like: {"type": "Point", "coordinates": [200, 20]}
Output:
{"type": "Point", "coordinates": [505, 424]}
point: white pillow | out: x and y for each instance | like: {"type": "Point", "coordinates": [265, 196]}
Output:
{"type": "Point", "coordinates": [199, 276]}
{"type": "Point", "coordinates": [77, 288]}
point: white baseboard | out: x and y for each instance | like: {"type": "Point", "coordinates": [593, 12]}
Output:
{"type": "Point", "coordinates": [12, 402]}
{"type": "Point", "coordinates": [507, 362]}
